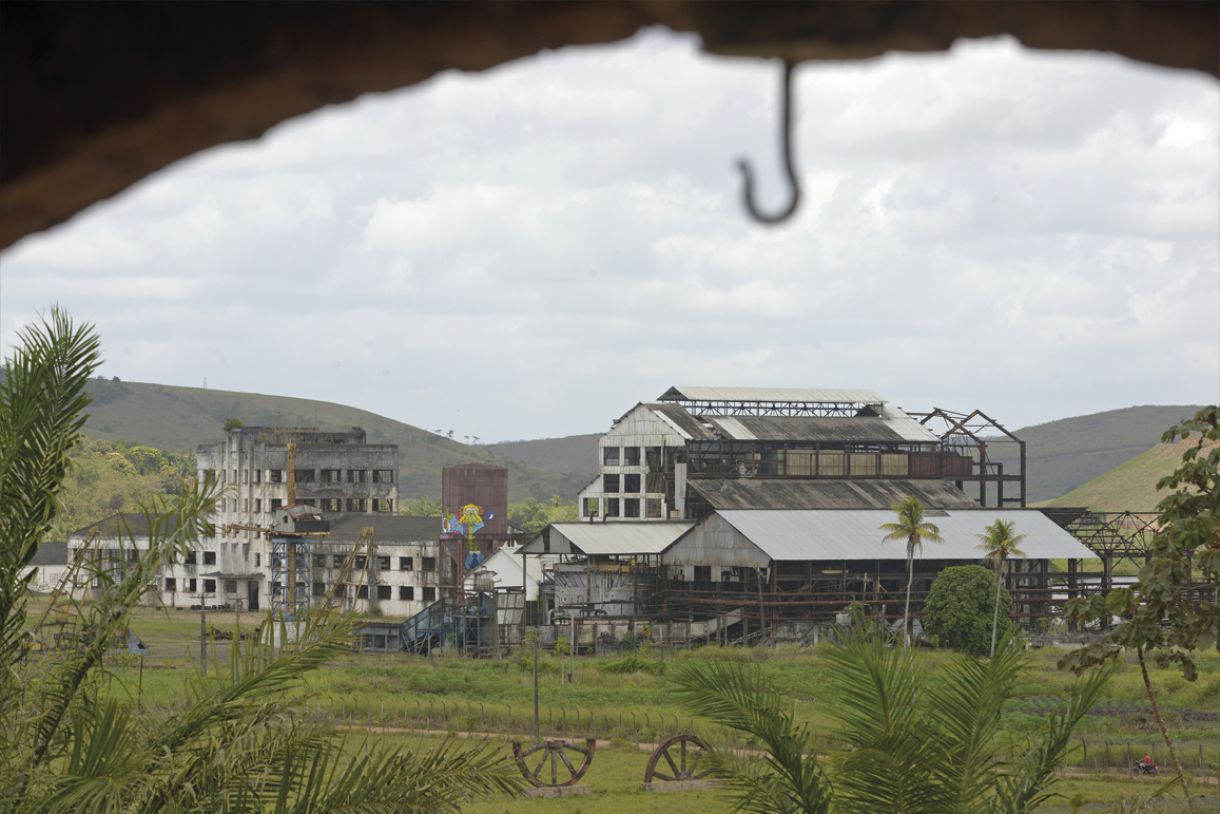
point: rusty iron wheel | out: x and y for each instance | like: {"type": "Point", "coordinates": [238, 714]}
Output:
{"type": "Point", "coordinates": [680, 754]}
{"type": "Point", "coordinates": [554, 752]}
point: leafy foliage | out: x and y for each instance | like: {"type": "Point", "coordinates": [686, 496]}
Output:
{"type": "Point", "coordinates": [235, 743]}
{"type": "Point", "coordinates": [533, 515]}
{"type": "Point", "coordinates": [915, 741]}
{"type": "Point", "coordinates": [1167, 613]}
{"type": "Point", "coordinates": [961, 608]}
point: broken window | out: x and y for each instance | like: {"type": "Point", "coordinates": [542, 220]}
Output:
{"type": "Point", "coordinates": [612, 507]}
{"type": "Point", "coordinates": [383, 476]}
{"type": "Point", "coordinates": [209, 558]}
{"type": "Point", "coordinates": [355, 476]}
{"type": "Point", "coordinates": [190, 558]}
{"type": "Point", "coordinates": [631, 456]}
{"type": "Point", "coordinates": [652, 507]}
{"type": "Point", "coordinates": [332, 475]}
{"type": "Point", "coordinates": [405, 564]}
{"type": "Point", "coordinates": [385, 592]}
{"type": "Point", "coordinates": [429, 594]}
{"type": "Point", "coordinates": [610, 456]}
{"type": "Point", "coordinates": [610, 484]}
{"type": "Point", "coordinates": [332, 504]}
{"type": "Point", "coordinates": [337, 560]}
{"type": "Point", "coordinates": [362, 592]}
{"type": "Point", "coordinates": [258, 560]}
{"type": "Point", "coordinates": [360, 561]}
{"type": "Point", "coordinates": [383, 563]}
{"type": "Point", "coordinates": [355, 504]}
{"type": "Point", "coordinates": [209, 586]}
{"type": "Point", "coordinates": [319, 560]}
{"type": "Point", "coordinates": [171, 584]}
{"type": "Point", "coordinates": [383, 504]}
{"type": "Point", "coordinates": [591, 507]}
{"type": "Point", "coordinates": [304, 475]}
{"type": "Point", "coordinates": [631, 483]}
{"type": "Point", "coordinates": [275, 476]}
{"type": "Point", "coordinates": [631, 507]}
{"type": "Point", "coordinates": [319, 589]}
{"type": "Point", "coordinates": [703, 573]}
{"type": "Point", "coordinates": [190, 586]}
{"type": "Point", "coordinates": [276, 503]}
{"type": "Point", "coordinates": [429, 564]}
{"type": "Point", "coordinates": [406, 592]}
{"type": "Point", "coordinates": [258, 505]}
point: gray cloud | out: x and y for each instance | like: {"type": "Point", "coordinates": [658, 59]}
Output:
{"type": "Point", "coordinates": [530, 251]}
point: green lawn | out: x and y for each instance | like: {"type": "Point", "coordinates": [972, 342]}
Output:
{"type": "Point", "coordinates": [631, 699]}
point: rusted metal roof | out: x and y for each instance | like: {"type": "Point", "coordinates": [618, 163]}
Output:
{"type": "Point", "coordinates": [610, 539]}
{"type": "Point", "coordinates": [785, 493]}
{"type": "Point", "coordinates": [684, 392]}
{"type": "Point", "coordinates": [830, 429]}
{"type": "Point", "coordinates": [857, 535]}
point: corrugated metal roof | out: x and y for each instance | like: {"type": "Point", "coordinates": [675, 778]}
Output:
{"type": "Point", "coordinates": [387, 528]}
{"type": "Point", "coordinates": [625, 538]}
{"type": "Point", "coordinates": [683, 392]}
{"type": "Point", "coordinates": [785, 493]}
{"type": "Point", "coordinates": [856, 535]}
{"type": "Point", "coordinates": [684, 421]}
{"type": "Point", "coordinates": [905, 426]}
{"type": "Point", "coordinates": [832, 429]}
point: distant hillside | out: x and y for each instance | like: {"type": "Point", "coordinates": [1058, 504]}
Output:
{"type": "Point", "coordinates": [1130, 485]}
{"type": "Point", "coordinates": [176, 418]}
{"type": "Point", "coordinates": [573, 454]}
{"type": "Point", "coordinates": [1064, 454]}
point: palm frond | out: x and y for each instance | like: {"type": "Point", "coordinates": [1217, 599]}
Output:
{"type": "Point", "coordinates": [1029, 786]}
{"type": "Point", "coordinates": [736, 696]}
{"type": "Point", "coordinates": [875, 692]}
{"type": "Point", "coordinates": [966, 702]}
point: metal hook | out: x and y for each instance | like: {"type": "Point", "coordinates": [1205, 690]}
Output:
{"type": "Point", "coordinates": [747, 174]}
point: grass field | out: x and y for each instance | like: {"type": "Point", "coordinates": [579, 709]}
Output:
{"type": "Point", "coordinates": [630, 699]}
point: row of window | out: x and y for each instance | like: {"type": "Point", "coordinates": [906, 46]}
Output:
{"type": "Point", "coordinates": [630, 483]}
{"type": "Point", "coordinates": [192, 585]}
{"type": "Point", "coordinates": [405, 592]}
{"type": "Point", "coordinates": [630, 507]}
{"type": "Point", "coordinates": [630, 456]}
{"type": "Point", "coordinates": [383, 562]}
{"type": "Point", "coordinates": [304, 475]}
{"type": "Point", "coordinates": [383, 505]}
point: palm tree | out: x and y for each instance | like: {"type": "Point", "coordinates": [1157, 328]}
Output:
{"type": "Point", "coordinates": [912, 528]}
{"type": "Point", "coordinates": [999, 543]}
{"type": "Point", "coordinates": [237, 742]}
{"type": "Point", "coordinates": [912, 741]}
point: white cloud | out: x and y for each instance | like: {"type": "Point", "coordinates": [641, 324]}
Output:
{"type": "Point", "coordinates": [531, 250]}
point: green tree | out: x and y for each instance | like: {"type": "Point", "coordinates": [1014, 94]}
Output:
{"type": "Point", "coordinates": [914, 741]}
{"type": "Point", "coordinates": [420, 507]}
{"type": "Point", "coordinates": [911, 527]}
{"type": "Point", "coordinates": [999, 543]}
{"type": "Point", "coordinates": [530, 515]}
{"type": "Point", "coordinates": [236, 743]}
{"type": "Point", "coordinates": [961, 608]}
{"type": "Point", "coordinates": [232, 423]}
{"type": "Point", "coordinates": [1165, 614]}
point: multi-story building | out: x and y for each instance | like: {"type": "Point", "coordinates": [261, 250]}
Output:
{"type": "Point", "coordinates": [699, 448]}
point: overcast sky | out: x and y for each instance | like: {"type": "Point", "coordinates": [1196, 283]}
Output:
{"type": "Point", "coordinates": [529, 251]}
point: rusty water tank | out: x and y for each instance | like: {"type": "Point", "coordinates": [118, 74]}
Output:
{"type": "Point", "coordinates": [485, 486]}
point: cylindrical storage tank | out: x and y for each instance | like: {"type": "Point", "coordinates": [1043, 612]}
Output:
{"type": "Point", "coordinates": [481, 485]}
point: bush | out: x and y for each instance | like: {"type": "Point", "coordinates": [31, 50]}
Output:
{"type": "Point", "coordinates": [959, 609]}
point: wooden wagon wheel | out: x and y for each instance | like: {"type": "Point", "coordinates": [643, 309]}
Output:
{"type": "Point", "coordinates": [555, 753]}
{"type": "Point", "coordinates": [680, 754]}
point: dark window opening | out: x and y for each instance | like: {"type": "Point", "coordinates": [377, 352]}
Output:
{"type": "Point", "coordinates": [631, 507]}
{"type": "Point", "coordinates": [209, 558]}
{"type": "Point", "coordinates": [631, 483]}
{"type": "Point", "coordinates": [383, 476]}
{"type": "Point", "coordinates": [209, 586]}
{"type": "Point", "coordinates": [429, 564]}
{"type": "Point", "coordinates": [610, 456]}
{"type": "Point", "coordinates": [652, 507]}
{"type": "Point", "coordinates": [631, 456]}
{"type": "Point", "coordinates": [429, 594]}
{"type": "Point", "coordinates": [362, 592]}
{"type": "Point", "coordinates": [383, 563]}
{"type": "Point", "coordinates": [319, 589]}
{"type": "Point", "coordinates": [171, 584]}
{"type": "Point", "coordinates": [610, 484]}
{"type": "Point", "coordinates": [191, 586]}
{"type": "Point", "coordinates": [591, 507]}
{"type": "Point", "coordinates": [405, 564]}
{"type": "Point", "coordinates": [337, 560]}
{"type": "Point", "coordinates": [612, 507]}
{"type": "Point", "coordinates": [385, 591]}
{"type": "Point", "coordinates": [190, 558]}
{"type": "Point", "coordinates": [304, 475]}
{"type": "Point", "coordinates": [406, 592]}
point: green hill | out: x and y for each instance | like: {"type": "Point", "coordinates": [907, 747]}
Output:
{"type": "Point", "coordinates": [179, 418]}
{"type": "Point", "coordinates": [571, 454]}
{"type": "Point", "coordinates": [1130, 485]}
{"type": "Point", "coordinates": [1064, 454]}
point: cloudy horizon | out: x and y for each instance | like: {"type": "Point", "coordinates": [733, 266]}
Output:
{"type": "Point", "coordinates": [528, 251]}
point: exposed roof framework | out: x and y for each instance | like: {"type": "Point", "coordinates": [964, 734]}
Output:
{"type": "Point", "coordinates": [772, 401]}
